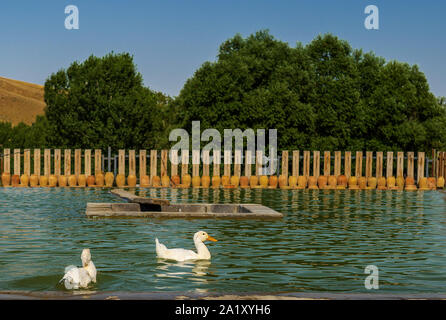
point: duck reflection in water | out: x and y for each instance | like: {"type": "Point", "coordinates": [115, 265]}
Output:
{"type": "Point", "coordinates": [196, 270]}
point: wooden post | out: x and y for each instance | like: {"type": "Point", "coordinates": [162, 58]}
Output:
{"type": "Point", "coordinates": [37, 162]}
{"type": "Point", "coordinates": [121, 161]}
{"type": "Point", "coordinates": [227, 163]}
{"type": "Point", "coordinates": [153, 164]}
{"type": "Point", "coordinates": [432, 172]}
{"type": "Point", "coordinates": [27, 162]}
{"type": "Point", "coordinates": [67, 162]}
{"type": "Point", "coordinates": [438, 165]}
{"type": "Point", "coordinates": [358, 164]}
{"type": "Point", "coordinates": [216, 167]}
{"type": "Point", "coordinates": [348, 164]}
{"type": "Point", "coordinates": [410, 164]}
{"type": "Point", "coordinates": [444, 163]}
{"type": "Point", "coordinates": [400, 164]}
{"type": "Point", "coordinates": [306, 166]}
{"type": "Point", "coordinates": [7, 162]}
{"type": "Point", "coordinates": [259, 162]}
{"type": "Point", "coordinates": [47, 162]}
{"type": "Point", "coordinates": [142, 163]}
{"type": "Point", "coordinates": [57, 162]}
{"type": "Point", "coordinates": [316, 163]}
{"type": "Point", "coordinates": [174, 162]}
{"type": "Point", "coordinates": [97, 161]}
{"type": "Point", "coordinates": [434, 162]}
{"type": "Point", "coordinates": [285, 163]}
{"type": "Point", "coordinates": [206, 162]}
{"type": "Point", "coordinates": [379, 164]}
{"type": "Point", "coordinates": [420, 166]}
{"type": "Point", "coordinates": [184, 162]}
{"type": "Point", "coordinates": [296, 163]}
{"type": "Point", "coordinates": [368, 164]}
{"type": "Point", "coordinates": [132, 162]}
{"type": "Point", "coordinates": [195, 163]}
{"type": "Point", "coordinates": [87, 162]}
{"type": "Point", "coordinates": [238, 162]}
{"type": "Point", "coordinates": [327, 160]}
{"type": "Point", "coordinates": [337, 164]}
{"type": "Point", "coordinates": [435, 165]}
{"type": "Point", "coordinates": [165, 162]}
{"type": "Point", "coordinates": [17, 162]}
{"type": "Point", "coordinates": [248, 162]}
{"type": "Point", "coordinates": [273, 165]}
{"type": "Point", "coordinates": [389, 165]}
{"type": "Point", "coordinates": [77, 162]}
{"type": "Point", "coordinates": [440, 171]}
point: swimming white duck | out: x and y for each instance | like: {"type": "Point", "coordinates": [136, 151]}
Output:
{"type": "Point", "coordinates": [183, 254]}
{"type": "Point", "coordinates": [80, 277]}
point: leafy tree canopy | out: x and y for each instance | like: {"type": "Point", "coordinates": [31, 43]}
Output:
{"type": "Point", "coordinates": [102, 102]}
{"type": "Point", "coordinates": [23, 135]}
{"type": "Point", "coordinates": [322, 96]}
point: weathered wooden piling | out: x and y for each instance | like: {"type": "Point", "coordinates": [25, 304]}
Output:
{"type": "Point", "coordinates": [236, 163]}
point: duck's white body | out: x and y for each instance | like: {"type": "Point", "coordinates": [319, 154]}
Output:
{"type": "Point", "coordinates": [80, 277]}
{"type": "Point", "coordinates": [179, 254]}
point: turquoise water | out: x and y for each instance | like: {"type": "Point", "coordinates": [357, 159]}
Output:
{"type": "Point", "coordinates": [323, 243]}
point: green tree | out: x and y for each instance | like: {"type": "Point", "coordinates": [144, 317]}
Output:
{"type": "Point", "coordinates": [23, 135]}
{"type": "Point", "coordinates": [5, 134]}
{"type": "Point", "coordinates": [323, 96]}
{"type": "Point", "coordinates": [257, 82]}
{"type": "Point", "coordinates": [337, 94]}
{"type": "Point", "coordinates": [102, 102]}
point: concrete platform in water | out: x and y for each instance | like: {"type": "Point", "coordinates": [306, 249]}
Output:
{"type": "Point", "coordinates": [159, 208]}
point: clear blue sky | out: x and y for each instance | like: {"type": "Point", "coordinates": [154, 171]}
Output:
{"type": "Point", "coordinates": [171, 39]}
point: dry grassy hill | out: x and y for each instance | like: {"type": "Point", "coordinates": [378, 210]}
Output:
{"type": "Point", "coordinates": [20, 101]}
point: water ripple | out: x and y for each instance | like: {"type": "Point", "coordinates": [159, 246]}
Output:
{"type": "Point", "coordinates": [323, 243]}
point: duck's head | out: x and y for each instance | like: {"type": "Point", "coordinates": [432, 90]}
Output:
{"type": "Point", "coordinates": [85, 257]}
{"type": "Point", "coordinates": [203, 236]}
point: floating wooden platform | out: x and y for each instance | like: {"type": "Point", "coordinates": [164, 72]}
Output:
{"type": "Point", "coordinates": [159, 208]}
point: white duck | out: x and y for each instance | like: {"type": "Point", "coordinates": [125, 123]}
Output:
{"type": "Point", "coordinates": [80, 277]}
{"type": "Point", "coordinates": [183, 254]}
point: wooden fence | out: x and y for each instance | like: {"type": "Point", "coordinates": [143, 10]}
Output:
{"type": "Point", "coordinates": [156, 163]}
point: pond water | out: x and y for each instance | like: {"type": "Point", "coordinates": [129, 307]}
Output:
{"type": "Point", "coordinates": [323, 244]}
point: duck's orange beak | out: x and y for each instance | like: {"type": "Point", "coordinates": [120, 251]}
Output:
{"type": "Point", "coordinates": [211, 238]}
